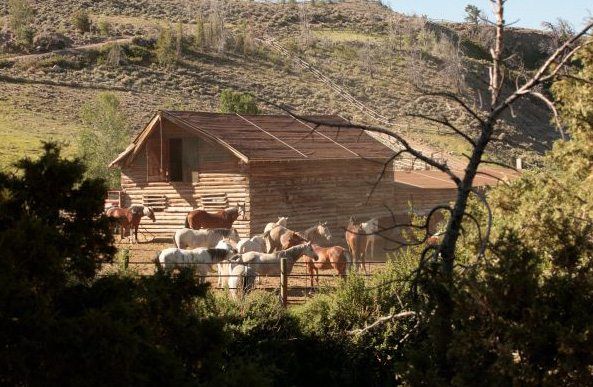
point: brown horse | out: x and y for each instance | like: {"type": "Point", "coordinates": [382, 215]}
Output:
{"type": "Point", "coordinates": [198, 219]}
{"type": "Point", "coordinates": [129, 218]}
{"type": "Point", "coordinates": [335, 257]}
{"type": "Point", "coordinates": [356, 239]}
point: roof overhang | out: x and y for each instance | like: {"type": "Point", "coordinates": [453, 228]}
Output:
{"type": "Point", "coordinates": [130, 153]}
{"type": "Point", "coordinates": [434, 179]}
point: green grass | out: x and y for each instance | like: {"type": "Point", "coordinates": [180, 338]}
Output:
{"type": "Point", "coordinates": [22, 132]}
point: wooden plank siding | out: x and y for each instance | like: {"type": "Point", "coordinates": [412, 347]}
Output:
{"type": "Point", "coordinates": [332, 191]}
{"type": "Point", "coordinates": [215, 174]}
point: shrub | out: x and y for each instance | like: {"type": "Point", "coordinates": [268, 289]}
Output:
{"type": "Point", "coordinates": [49, 41]}
{"type": "Point", "coordinates": [105, 135]}
{"type": "Point", "coordinates": [237, 102]}
{"type": "Point", "coordinates": [81, 21]}
{"type": "Point", "coordinates": [20, 17]}
{"type": "Point", "coordinates": [166, 47]}
{"type": "Point", "coordinates": [104, 27]}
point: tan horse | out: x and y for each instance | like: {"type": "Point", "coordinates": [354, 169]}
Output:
{"type": "Point", "coordinates": [356, 240]}
{"type": "Point", "coordinates": [335, 257]}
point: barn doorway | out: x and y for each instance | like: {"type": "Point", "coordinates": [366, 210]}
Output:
{"type": "Point", "coordinates": [175, 159]}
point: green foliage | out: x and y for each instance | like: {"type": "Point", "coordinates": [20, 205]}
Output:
{"type": "Point", "coordinates": [81, 21]}
{"type": "Point", "coordinates": [104, 27]}
{"type": "Point", "coordinates": [521, 314]}
{"type": "Point", "coordinates": [166, 47]}
{"type": "Point", "coordinates": [20, 17]}
{"type": "Point", "coordinates": [106, 134]}
{"type": "Point", "coordinates": [199, 33]}
{"type": "Point", "coordinates": [237, 102]}
{"type": "Point", "coordinates": [473, 14]}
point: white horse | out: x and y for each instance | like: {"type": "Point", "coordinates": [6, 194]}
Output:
{"type": "Point", "coordinates": [186, 238]}
{"type": "Point", "coordinates": [370, 229]}
{"type": "Point", "coordinates": [269, 263]}
{"type": "Point", "coordinates": [241, 280]}
{"type": "Point", "coordinates": [200, 259]}
{"type": "Point", "coordinates": [255, 243]}
{"type": "Point", "coordinates": [223, 267]}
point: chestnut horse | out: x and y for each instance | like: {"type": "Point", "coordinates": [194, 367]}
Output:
{"type": "Point", "coordinates": [129, 218]}
{"type": "Point", "coordinates": [356, 239]}
{"type": "Point", "coordinates": [198, 219]}
{"type": "Point", "coordinates": [335, 257]}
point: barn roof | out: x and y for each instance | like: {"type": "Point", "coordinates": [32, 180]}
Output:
{"type": "Point", "coordinates": [435, 179]}
{"type": "Point", "coordinates": [270, 137]}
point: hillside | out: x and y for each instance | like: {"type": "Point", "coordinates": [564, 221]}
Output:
{"type": "Point", "coordinates": [379, 56]}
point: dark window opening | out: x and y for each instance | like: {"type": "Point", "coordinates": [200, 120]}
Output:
{"type": "Point", "coordinates": [175, 159]}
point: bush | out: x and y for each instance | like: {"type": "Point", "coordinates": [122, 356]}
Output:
{"type": "Point", "coordinates": [105, 135]}
{"type": "Point", "coordinates": [237, 102]}
{"type": "Point", "coordinates": [50, 41]}
{"type": "Point", "coordinates": [166, 47]}
{"type": "Point", "coordinates": [20, 17]}
{"type": "Point", "coordinates": [104, 28]}
{"type": "Point", "coordinates": [81, 21]}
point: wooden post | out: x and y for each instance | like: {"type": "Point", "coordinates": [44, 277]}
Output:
{"type": "Point", "coordinates": [283, 282]}
{"type": "Point", "coordinates": [519, 164]}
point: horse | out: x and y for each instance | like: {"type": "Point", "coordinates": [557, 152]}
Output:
{"type": "Point", "coordinates": [370, 228]}
{"type": "Point", "coordinates": [186, 238]}
{"type": "Point", "coordinates": [220, 267]}
{"type": "Point", "coordinates": [198, 219]}
{"type": "Point", "coordinates": [241, 280]}
{"type": "Point", "coordinates": [129, 218]}
{"type": "Point", "coordinates": [269, 263]}
{"type": "Point", "coordinates": [282, 221]}
{"type": "Point", "coordinates": [318, 234]}
{"type": "Point", "coordinates": [255, 243]}
{"type": "Point", "coordinates": [273, 236]}
{"type": "Point", "coordinates": [356, 240]}
{"type": "Point", "coordinates": [335, 257]}
{"type": "Point", "coordinates": [200, 259]}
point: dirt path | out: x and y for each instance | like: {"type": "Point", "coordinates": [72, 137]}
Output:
{"type": "Point", "coordinates": [69, 50]}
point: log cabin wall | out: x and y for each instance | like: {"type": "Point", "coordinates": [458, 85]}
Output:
{"type": "Point", "coordinates": [332, 191]}
{"type": "Point", "coordinates": [316, 190]}
{"type": "Point", "coordinates": [211, 179]}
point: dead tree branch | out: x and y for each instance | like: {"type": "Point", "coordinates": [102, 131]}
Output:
{"type": "Point", "coordinates": [382, 320]}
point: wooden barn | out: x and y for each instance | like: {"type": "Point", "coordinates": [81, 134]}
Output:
{"type": "Point", "coordinates": [273, 165]}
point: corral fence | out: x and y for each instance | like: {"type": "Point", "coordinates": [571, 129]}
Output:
{"type": "Point", "coordinates": [293, 285]}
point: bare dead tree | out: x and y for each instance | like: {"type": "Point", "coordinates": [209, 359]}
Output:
{"type": "Point", "coordinates": [479, 133]}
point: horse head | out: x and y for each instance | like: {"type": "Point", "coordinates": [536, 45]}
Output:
{"type": "Point", "coordinates": [324, 231]}
{"type": "Point", "coordinates": [282, 221]}
{"type": "Point", "coordinates": [309, 251]}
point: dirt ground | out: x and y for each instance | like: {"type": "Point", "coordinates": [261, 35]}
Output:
{"type": "Point", "coordinates": [142, 260]}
